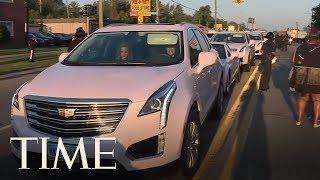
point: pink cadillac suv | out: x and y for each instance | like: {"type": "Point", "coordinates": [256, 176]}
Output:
{"type": "Point", "coordinates": [149, 86]}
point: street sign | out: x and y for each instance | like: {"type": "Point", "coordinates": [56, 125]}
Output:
{"type": "Point", "coordinates": [140, 8]}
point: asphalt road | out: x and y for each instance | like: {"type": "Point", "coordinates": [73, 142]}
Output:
{"type": "Point", "coordinates": [9, 167]}
{"type": "Point", "coordinates": [273, 147]}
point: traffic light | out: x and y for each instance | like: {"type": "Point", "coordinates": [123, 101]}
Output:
{"type": "Point", "coordinates": [238, 1]}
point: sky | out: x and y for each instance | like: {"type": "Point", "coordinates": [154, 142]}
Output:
{"type": "Point", "coordinates": [269, 14]}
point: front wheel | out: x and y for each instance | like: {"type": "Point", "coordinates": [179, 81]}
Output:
{"type": "Point", "coordinates": [219, 105]}
{"type": "Point", "coordinates": [247, 67]}
{"type": "Point", "coordinates": [190, 152]}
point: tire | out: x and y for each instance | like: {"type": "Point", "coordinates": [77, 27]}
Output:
{"type": "Point", "coordinates": [219, 103]}
{"type": "Point", "coordinates": [238, 78]}
{"type": "Point", "coordinates": [190, 152]}
{"type": "Point", "coordinates": [228, 85]}
{"type": "Point", "coordinates": [247, 67]}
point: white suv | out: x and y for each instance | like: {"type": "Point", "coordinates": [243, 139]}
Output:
{"type": "Point", "coordinates": [148, 86]}
{"type": "Point", "coordinates": [240, 42]}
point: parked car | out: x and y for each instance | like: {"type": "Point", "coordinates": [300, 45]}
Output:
{"type": "Point", "coordinates": [49, 41]}
{"type": "Point", "coordinates": [39, 42]}
{"type": "Point", "coordinates": [59, 40]}
{"type": "Point", "coordinates": [258, 41]}
{"type": "Point", "coordinates": [240, 42]}
{"type": "Point", "coordinates": [67, 36]}
{"type": "Point", "coordinates": [149, 86]}
{"type": "Point", "coordinates": [231, 64]}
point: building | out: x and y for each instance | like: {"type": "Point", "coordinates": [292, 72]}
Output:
{"type": "Point", "coordinates": [66, 25]}
{"type": "Point", "coordinates": [13, 15]}
{"type": "Point", "coordinates": [69, 25]}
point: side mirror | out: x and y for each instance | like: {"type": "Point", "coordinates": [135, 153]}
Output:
{"type": "Point", "coordinates": [63, 56]}
{"type": "Point", "coordinates": [251, 42]}
{"type": "Point", "coordinates": [206, 59]}
{"type": "Point", "coordinates": [234, 55]}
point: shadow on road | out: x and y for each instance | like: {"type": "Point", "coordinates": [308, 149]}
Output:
{"type": "Point", "coordinates": [254, 161]}
{"type": "Point", "coordinates": [280, 75]}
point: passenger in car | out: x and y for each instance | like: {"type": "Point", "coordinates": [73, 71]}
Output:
{"type": "Point", "coordinates": [171, 52]}
{"type": "Point", "coordinates": [124, 53]}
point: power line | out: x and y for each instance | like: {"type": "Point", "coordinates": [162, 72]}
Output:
{"type": "Point", "coordinates": [184, 5]}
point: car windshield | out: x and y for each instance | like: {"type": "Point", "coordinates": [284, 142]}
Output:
{"type": "Point", "coordinates": [230, 38]}
{"type": "Point", "coordinates": [221, 50]}
{"type": "Point", "coordinates": [128, 48]}
{"type": "Point", "coordinates": [255, 37]}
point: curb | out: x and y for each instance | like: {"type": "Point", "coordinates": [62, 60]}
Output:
{"type": "Point", "coordinates": [21, 73]}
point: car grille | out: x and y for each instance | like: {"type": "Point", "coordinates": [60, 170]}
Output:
{"type": "Point", "coordinates": [88, 117]}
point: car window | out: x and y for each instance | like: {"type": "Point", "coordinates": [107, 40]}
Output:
{"type": "Point", "coordinates": [221, 50]}
{"type": "Point", "coordinates": [255, 36]}
{"type": "Point", "coordinates": [148, 48]}
{"type": "Point", "coordinates": [194, 48]}
{"type": "Point", "coordinates": [202, 41]}
{"type": "Point", "coordinates": [230, 38]}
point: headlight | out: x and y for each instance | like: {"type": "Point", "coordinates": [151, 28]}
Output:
{"type": "Point", "coordinates": [242, 49]}
{"type": "Point", "coordinates": [160, 101]}
{"type": "Point", "coordinates": [15, 98]}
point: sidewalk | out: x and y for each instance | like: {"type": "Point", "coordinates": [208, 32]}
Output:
{"type": "Point", "coordinates": [21, 73]}
{"type": "Point", "coordinates": [275, 148]}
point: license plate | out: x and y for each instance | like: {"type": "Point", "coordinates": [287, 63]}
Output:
{"type": "Point", "coordinates": [52, 148]}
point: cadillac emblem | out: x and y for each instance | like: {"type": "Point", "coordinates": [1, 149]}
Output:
{"type": "Point", "coordinates": [66, 113]}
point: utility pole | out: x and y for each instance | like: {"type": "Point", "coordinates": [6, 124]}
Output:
{"type": "Point", "coordinates": [68, 12]}
{"type": "Point", "coordinates": [158, 11]}
{"type": "Point", "coordinates": [41, 16]}
{"type": "Point", "coordinates": [100, 13]}
{"type": "Point", "coordinates": [215, 15]}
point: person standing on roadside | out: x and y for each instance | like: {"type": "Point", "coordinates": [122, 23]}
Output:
{"type": "Point", "coordinates": [31, 46]}
{"type": "Point", "coordinates": [305, 78]}
{"type": "Point", "coordinates": [80, 35]}
{"type": "Point", "coordinates": [268, 53]}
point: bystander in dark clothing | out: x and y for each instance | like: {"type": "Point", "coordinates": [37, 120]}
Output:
{"type": "Point", "coordinates": [31, 46]}
{"type": "Point", "coordinates": [305, 78]}
{"type": "Point", "coordinates": [79, 36]}
{"type": "Point", "coordinates": [268, 53]}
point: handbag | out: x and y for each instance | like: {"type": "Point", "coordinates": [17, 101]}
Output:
{"type": "Point", "coordinates": [297, 76]}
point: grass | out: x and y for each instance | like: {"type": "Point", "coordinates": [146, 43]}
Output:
{"type": "Point", "coordinates": [21, 65]}
{"type": "Point", "coordinates": [24, 57]}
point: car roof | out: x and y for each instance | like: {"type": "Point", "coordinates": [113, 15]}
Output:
{"type": "Point", "coordinates": [146, 27]}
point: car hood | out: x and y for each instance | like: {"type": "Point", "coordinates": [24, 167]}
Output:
{"type": "Point", "coordinates": [237, 46]}
{"type": "Point", "coordinates": [134, 83]}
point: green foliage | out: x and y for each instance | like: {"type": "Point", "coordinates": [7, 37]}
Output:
{"type": "Point", "coordinates": [169, 12]}
{"type": "Point", "coordinates": [316, 16]}
{"type": "Point", "coordinates": [4, 34]}
{"type": "Point", "coordinates": [203, 15]}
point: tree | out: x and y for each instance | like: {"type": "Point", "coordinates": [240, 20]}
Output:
{"type": "Point", "coordinates": [178, 14]}
{"type": "Point", "coordinates": [203, 15]}
{"type": "Point", "coordinates": [4, 34]}
{"type": "Point", "coordinates": [74, 9]}
{"type": "Point", "coordinates": [316, 16]}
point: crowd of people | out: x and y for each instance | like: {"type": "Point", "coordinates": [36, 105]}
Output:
{"type": "Point", "coordinates": [304, 78]}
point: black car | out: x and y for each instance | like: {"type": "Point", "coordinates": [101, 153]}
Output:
{"type": "Point", "coordinates": [39, 42]}
{"type": "Point", "coordinates": [49, 41]}
{"type": "Point", "coordinates": [59, 40]}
